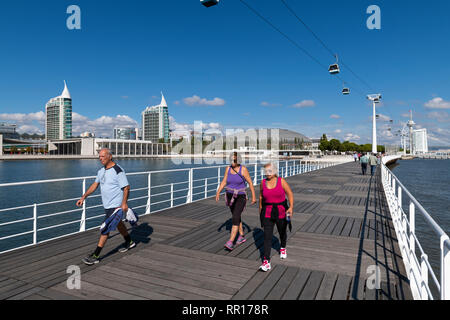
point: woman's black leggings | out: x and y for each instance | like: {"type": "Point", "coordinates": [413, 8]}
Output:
{"type": "Point", "coordinates": [237, 208]}
{"type": "Point", "coordinates": [268, 234]}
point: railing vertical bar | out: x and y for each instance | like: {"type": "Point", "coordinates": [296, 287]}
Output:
{"type": "Point", "coordinates": [35, 223]}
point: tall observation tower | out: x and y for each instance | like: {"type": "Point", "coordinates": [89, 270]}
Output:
{"type": "Point", "coordinates": [411, 124]}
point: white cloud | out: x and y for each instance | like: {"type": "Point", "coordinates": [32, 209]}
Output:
{"type": "Point", "coordinates": [267, 104]}
{"type": "Point", "coordinates": [335, 116]}
{"type": "Point", "coordinates": [304, 104]}
{"type": "Point", "coordinates": [196, 100]}
{"type": "Point", "coordinates": [438, 103]}
{"type": "Point", "coordinates": [440, 116]}
{"type": "Point", "coordinates": [338, 131]}
{"type": "Point", "coordinates": [23, 117]}
{"type": "Point", "coordinates": [352, 137]}
{"type": "Point", "coordinates": [30, 129]}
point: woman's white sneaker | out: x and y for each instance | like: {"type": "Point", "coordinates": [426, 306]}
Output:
{"type": "Point", "coordinates": [283, 254]}
{"type": "Point", "coordinates": [265, 266]}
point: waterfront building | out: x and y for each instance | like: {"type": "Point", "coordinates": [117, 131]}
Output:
{"type": "Point", "coordinates": [419, 141]}
{"type": "Point", "coordinates": [126, 133]}
{"type": "Point", "coordinates": [92, 147]}
{"type": "Point", "coordinates": [155, 122]}
{"type": "Point", "coordinates": [8, 130]}
{"type": "Point", "coordinates": [58, 116]}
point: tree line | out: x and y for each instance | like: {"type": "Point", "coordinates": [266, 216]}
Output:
{"type": "Point", "coordinates": [346, 146]}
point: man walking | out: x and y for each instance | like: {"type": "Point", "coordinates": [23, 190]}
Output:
{"type": "Point", "coordinates": [373, 163]}
{"type": "Point", "coordinates": [115, 190]}
{"type": "Point", "coordinates": [364, 161]}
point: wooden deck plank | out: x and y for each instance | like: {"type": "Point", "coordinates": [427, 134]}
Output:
{"type": "Point", "coordinates": [297, 285]}
{"type": "Point", "coordinates": [312, 286]}
{"type": "Point", "coordinates": [281, 286]}
{"type": "Point", "coordinates": [342, 288]}
{"type": "Point", "coordinates": [326, 288]}
{"type": "Point", "coordinates": [263, 290]}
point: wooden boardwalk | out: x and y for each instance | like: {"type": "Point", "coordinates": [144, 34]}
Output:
{"type": "Point", "coordinates": [341, 227]}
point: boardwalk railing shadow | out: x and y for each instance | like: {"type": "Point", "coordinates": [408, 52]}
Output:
{"type": "Point", "coordinates": [384, 242]}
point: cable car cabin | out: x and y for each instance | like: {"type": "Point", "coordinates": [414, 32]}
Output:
{"type": "Point", "coordinates": [377, 116]}
{"type": "Point", "coordinates": [334, 69]}
{"type": "Point", "coordinates": [346, 91]}
{"type": "Point", "coordinates": [209, 3]}
{"type": "Point", "coordinates": [391, 121]}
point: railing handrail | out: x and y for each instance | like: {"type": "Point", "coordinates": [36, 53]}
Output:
{"type": "Point", "coordinates": [287, 168]}
{"type": "Point", "coordinates": [405, 229]}
{"type": "Point", "coordinates": [426, 215]}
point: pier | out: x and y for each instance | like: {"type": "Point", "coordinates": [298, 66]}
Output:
{"type": "Point", "coordinates": [342, 233]}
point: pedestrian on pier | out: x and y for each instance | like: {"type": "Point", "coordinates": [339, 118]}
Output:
{"type": "Point", "coordinates": [355, 156]}
{"type": "Point", "coordinates": [364, 161]}
{"type": "Point", "coordinates": [373, 161]}
{"type": "Point", "coordinates": [236, 175]}
{"type": "Point", "coordinates": [115, 190]}
{"type": "Point", "coordinates": [274, 210]}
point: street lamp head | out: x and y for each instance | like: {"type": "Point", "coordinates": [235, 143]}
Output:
{"type": "Point", "coordinates": [374, 97]}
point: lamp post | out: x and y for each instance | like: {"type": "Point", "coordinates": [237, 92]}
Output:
{"type": "Point", "coordinates": [375, 98]}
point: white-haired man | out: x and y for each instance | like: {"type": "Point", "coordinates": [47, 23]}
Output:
{"type": "Point", "coordinates": [115, 190]}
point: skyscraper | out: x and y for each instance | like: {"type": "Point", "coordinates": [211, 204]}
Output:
{"type": "Point", "coordinates": [155, 122]}
{"type": "Point", "coordinates": [58, 116]}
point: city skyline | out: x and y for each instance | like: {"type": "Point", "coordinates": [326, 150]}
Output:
{"type": "Point", "coordinates": [241, 75]}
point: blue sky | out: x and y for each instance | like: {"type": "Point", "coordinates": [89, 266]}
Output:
{"type": "Point", "coordinates": [127, 52]}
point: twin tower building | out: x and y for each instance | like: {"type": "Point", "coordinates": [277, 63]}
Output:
{"type": "Point", "coordinates": [58, 120]}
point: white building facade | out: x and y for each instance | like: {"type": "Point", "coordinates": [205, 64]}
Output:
{"type": "Point", "coordinates": [419, 141]}
{"type": "Point", "coordinates": [155, 122]}
{"type": "Point", "coordinates": [58, 117]}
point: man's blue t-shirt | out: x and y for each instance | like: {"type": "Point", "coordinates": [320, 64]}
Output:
{"type": "Point", "coordinates": [112, 181]}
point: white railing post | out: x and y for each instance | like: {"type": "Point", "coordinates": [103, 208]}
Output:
{"type": "Point", "coordinates": [255, 180]}
{"type": "Point", "coordinates": [35, 223]}
{"type": "Point", "coordinates": [286, 171]}
{"type": "Point", "coordinates": [171, 195]}
{"type": "Point", "coordinates": [218, 179]}
{"type": "Point", "coordinates": [412, 230]}
{"type": "Point", "coordinates": [83, 214]}
{"type": "Point", "coordinates": [189, 196]}
{"type": "Point", "coordinates": [445, 268]}
{"type": "Point", "coordinates": [424, 277]}
{"type": "Point", "coordinates": [149, 193]}
{"type": "Point", "coordinates": [206, 188]}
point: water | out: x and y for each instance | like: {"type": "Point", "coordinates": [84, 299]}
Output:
{"type": "Point", "coordinates": [429, 182]}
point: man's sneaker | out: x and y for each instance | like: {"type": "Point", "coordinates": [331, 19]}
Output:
{"type": "Point", "coordinates": [283, 254]}
{"type": "Point", "coordinates": [229, 245]}
{"type": "Point", "coordinates": [265, 266]}
{"type": "Point", "coordinates": [91, 259]}
{"type": "Point", "coordinates": [127, 246]}
{"type": "Point", "coordinates": [240, 240]}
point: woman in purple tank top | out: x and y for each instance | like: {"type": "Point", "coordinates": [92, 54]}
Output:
{"type": "Point", "coordinates": [236, 197]}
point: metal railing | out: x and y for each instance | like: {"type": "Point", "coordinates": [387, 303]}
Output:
{"type": "Point", "coordinates": [416, 261]}
{"type": "Point", "coordinates": [192, 184]}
